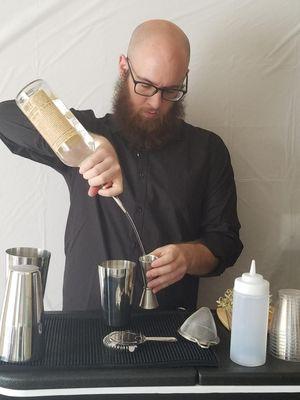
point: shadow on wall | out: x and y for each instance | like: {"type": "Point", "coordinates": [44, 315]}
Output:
{"type": "Point", "coordinates": [249, 101]}
{"type": "Point", "coordinates": [285, 273]}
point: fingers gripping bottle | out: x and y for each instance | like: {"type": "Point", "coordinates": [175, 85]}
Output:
{"type": "Point", "coordinates": [250, 311]}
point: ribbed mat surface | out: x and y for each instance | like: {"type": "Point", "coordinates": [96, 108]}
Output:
{"type": "Point", "coordinates": [77, 342]}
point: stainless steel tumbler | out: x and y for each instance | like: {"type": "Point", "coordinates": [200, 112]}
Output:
{"type": "Point", "coordinates": [21, 323]}
{"type": "Point", "coordinates": [116, 279]}
{"type": "Point", "coordinates": [29, 256]}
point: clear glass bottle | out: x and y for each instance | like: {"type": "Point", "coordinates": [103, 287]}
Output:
{"type": "Point", "coordinates": [56, 123]}
{"type": "Point", "coordinates": [71, 142]}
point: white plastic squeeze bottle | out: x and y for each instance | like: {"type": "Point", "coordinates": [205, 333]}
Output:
{"type": "Point", "coordinates": [250, 312]}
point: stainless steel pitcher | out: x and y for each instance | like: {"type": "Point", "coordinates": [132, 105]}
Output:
{"type": "Point", "coordinates": [21, 323]}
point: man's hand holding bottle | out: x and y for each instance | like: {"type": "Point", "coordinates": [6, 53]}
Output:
{"type": "Point", "coordinates": [102, 170]}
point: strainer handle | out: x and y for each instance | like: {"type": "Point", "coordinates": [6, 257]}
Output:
{"type": "Point", "coordinates": [161, 338]}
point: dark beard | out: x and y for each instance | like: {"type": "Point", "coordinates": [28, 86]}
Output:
{"type": "Point", "coordinates": [140, 133]}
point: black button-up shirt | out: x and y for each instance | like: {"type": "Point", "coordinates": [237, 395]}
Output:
{"type": "Point", "coordinates": [180, 193]}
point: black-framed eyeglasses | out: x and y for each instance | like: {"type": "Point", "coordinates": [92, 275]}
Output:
{"type": "Point", "coordinates": [167, 93]}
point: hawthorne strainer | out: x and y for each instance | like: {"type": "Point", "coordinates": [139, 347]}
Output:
{"type": "Point", "coordinates": [128, 340]}
{"type": "Point", "coordinates": [200, 328]}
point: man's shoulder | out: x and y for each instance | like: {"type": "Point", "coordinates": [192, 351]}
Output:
{"type": "Point", "coordinates": [8, 107]}
{"type": "Point", "coordinates": [11, 114]}
{"type": "Point", "coordinates": [90, 121]}
{"type": "Point", "coordinates": [7, 103]}
{"type": "Point", "coordinates": [88, 114]}
{"type": "Point", "coordinates": [201, 135]}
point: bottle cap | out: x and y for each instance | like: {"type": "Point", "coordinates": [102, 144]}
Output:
{"type": "Point", "coordinates": [251, 283]}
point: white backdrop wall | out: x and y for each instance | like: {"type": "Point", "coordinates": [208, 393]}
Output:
{"type": "Point", "coordinates": [244, 85]}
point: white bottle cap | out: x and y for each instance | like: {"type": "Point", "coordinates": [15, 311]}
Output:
{"type": "Point", "coordinates": [251, 283]}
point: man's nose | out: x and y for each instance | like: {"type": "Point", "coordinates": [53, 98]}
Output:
{"type": "Point", "coordinates": [155, 100]}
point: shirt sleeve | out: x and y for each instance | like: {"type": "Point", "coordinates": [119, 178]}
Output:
{"type": "Point", "coordinates": [220, 223]}
{"type": "Point", "coordinates": [22, 138]}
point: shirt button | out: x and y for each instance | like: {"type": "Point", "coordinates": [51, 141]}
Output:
{"type": "Point", "coordinates": [138, 155]}
{"type": "Point", "coordinates": [139, 210]}
{"type": "Point", "coordinates": [141, 174]}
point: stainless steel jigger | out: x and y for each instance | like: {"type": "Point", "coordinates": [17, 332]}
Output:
{"type": "Point", "coordinates": [148, 299]}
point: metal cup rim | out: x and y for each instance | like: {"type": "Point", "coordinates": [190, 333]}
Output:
{"type": "Point", "coordinates": [40, 252]}
{"type": "Point", "coordinates": [147, 258]}
{"type": "Point", "coordinates": [109, 264]}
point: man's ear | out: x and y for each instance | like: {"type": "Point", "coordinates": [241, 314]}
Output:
{"type": "Point", "coordinates": [123, 66]}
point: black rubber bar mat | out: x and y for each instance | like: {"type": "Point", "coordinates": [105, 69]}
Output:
{"type": "Point", "coordinates": [77, 343]}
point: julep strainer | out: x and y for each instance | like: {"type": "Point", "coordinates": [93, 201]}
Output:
{"type": "Point", "coordinates": [128, 340]}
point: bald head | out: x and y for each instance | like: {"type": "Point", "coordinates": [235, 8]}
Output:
{"type": "Point", "coordinates": [161, 38]}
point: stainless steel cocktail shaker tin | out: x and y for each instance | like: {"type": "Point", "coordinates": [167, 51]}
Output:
{"type": "Point", "coordinates": [29, 256]}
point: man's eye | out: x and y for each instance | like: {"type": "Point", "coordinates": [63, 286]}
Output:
{"type": "Point", "coordinates": [172, 92]}
{"type": "Point", "coordinates": [145, 86]}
